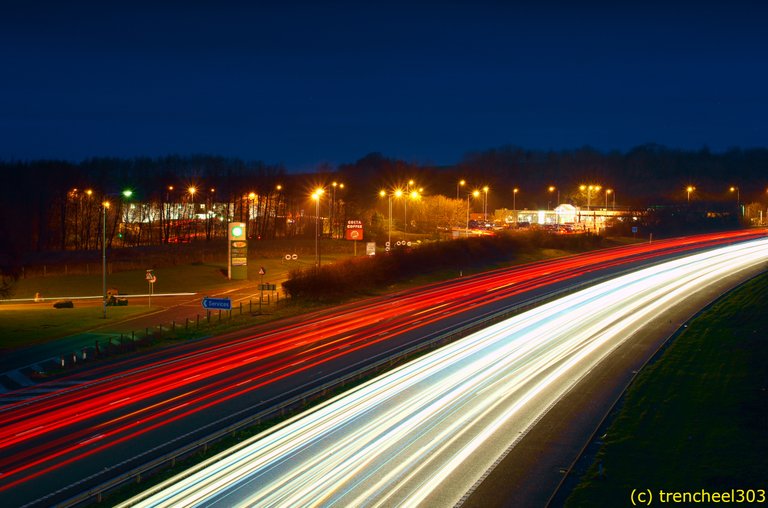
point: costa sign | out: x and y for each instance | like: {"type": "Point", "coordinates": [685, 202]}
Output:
{"type": "Point", "coordinates": [354, 230]}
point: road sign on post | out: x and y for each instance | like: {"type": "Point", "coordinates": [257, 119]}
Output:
{"type": "Point", "coordinates": [151, 279]}
{"type": "Point", "coordinates": [217, 303]}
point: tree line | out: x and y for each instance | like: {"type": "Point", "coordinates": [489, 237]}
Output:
{"type": "Point", "coordinates": [51, 205]}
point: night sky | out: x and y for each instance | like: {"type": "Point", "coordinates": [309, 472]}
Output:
{"type": "Point", "coordinates": [303, 83]}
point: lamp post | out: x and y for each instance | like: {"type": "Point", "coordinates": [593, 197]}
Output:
{"type": "Point", "coordinates": [485, 204]}
{"type": "Point", "coordinates": [738, 198]}
{"type": "Point", "coordinates": [589, 189]}
{"type": "Point", "coordinates": [608, 191]}
{"type": "Point", "coordinates": [552, 189]}
{"type": "Point", "coordinates": [688, 190]}
{"type": "Point", "coordinates": [251, 200]}
{"type": "Point", "coordinates": [514, 203]}
{"type": "Point", "coordinates": [383, 194]}
{"type": "Point", "coordinates": [460, 183]}
{"type": "Point", "coordinates": [193, 225]}
{"type": "Point", "coordinates": [474, 193]}
{"type": "Point", "coordinates": [408, 193]}
{"type": "Point", "coordinates": [316, 196]}
{"type": "Point", "coordinates": [334, 185]}
{"type": "Point", "coordinates": [104, 206]}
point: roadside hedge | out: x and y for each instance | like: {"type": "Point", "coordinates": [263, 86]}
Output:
{"type": "Point", "coordinates": [362, 275]}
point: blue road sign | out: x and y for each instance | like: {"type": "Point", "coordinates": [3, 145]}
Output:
{"type": "Point", "coordinates": [217, 303]}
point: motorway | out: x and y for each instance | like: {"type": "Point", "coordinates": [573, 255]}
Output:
{"type": "Point", "coordinates": [423, 433]}
{"type": "Point", "coordinates": [114, 417]}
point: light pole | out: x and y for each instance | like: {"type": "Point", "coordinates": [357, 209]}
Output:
{"type": "Point", "coordinates": [474, 193]}
{"type": "Point", "coordinates": [383, 193]}
{"type": "Point", "coordinates": [316, 196]}
{"type": "Point", "coordinates": [688, 190]}
{"type": "Point", "coordinates": [408, 193]}
{"type": "Point", "coordinates": [607, 191]}
{"type": "Point", "coordinates": [460, 183]}
{"type": "Point", "coordinates": [279, 189]}
{"type": "Point", "coordinates": [485, 204]}
{"type": "Point", "coordinates": [333, 205]}
{"type": "Point", "coordinates": [193, 225]}
{"type": "Point", "coordinates": [251, 201]}
{"type": "Point", "coordinates": [514, 203]}
{"type": "Point", "coordinates": [552, 189]}
{"type": "Point", "coordinates": [104, 206]}
{"type": "Point", "coordinates": [589, 189]}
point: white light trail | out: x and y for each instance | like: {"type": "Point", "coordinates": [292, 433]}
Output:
{"type": "Point", "coordinates": [423, 433]}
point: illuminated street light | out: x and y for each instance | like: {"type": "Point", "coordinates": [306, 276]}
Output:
{"type": "Point", "coordinates": [104, 206]}
{"type": "Point", "coordinates": [475, 193]}
{"type": "Point", "coordinates": [389, 196]}
{"type": "Point", "coordinates": [688, 190]}
{"type": "Point", "coordinates": [412, 194]}
{"type": "Point", "coordinates": [514, 203]}
{"type": "Point", "coordinates": [334, 185]}
{"type": "Point", "coordinates": [589, 189]}
{"type": "Point", "coordinates": [316, 196]}
{"type": "Point", "coordinates": [609, 191]}
{"type": "Point", "coordinates": [738, 197]}
{"type": "Point", "coordinates": [460, 183]}
{"type": "Point", "coordinates": [552, 189]}
{"type": "Point", "coordinates": [485, 204]}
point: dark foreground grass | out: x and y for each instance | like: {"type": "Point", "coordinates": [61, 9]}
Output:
{"type": "Point", "coordinates": [44, 323]}
{"type": "Point", "coordinates": [697, 418]}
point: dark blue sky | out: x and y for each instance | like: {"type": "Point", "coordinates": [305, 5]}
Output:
{"type": "Point", "coordinates": [301, 83]}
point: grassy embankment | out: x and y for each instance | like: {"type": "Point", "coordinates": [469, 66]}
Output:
{"type": "Point", "coordinates": [697, 417]}
{"type": "Point", "coordinates": [41, 322]}
{"type": "Point", "coordinates": [425, 264]}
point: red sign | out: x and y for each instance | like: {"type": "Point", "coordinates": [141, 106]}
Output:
{"type": "Point", "coordinates": [354, 230]}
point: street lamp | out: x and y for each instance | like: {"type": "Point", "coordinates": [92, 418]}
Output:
{"type": "Point", "coordinates": [316, 196]}
{"type": "Point", "coordinates": [688, 190]}
{"type": "Point", "coordinates": [408, 194]}
{"type": "Point", "coordinates": [552, 189]}
{"type": "Point", "coordinates": [104, 206]}
{"type": "Point", "coordinates": [460, 183]}
{"type": "Point", "coordinates": [389, 196]}
{"type": "Point", "coordinates": [192, 190]}
{"type": "Point", "coordinates": [514, 203]}
{"type": "Point", "coordinates": [475, 194]}
{"type": "Point", "coordinates": [609, 191]}
{"type": "Point", "coordinates": [738, 198]}
{"type": "Point", "coordinates": [334, 185]}
{"type": "Point", "coordinates": [485, 204]}
{"type": "Point", "coordinates": [589, 189]}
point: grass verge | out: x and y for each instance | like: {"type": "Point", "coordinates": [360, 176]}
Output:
{"type": "Point", "coordinates": [697, 417]}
